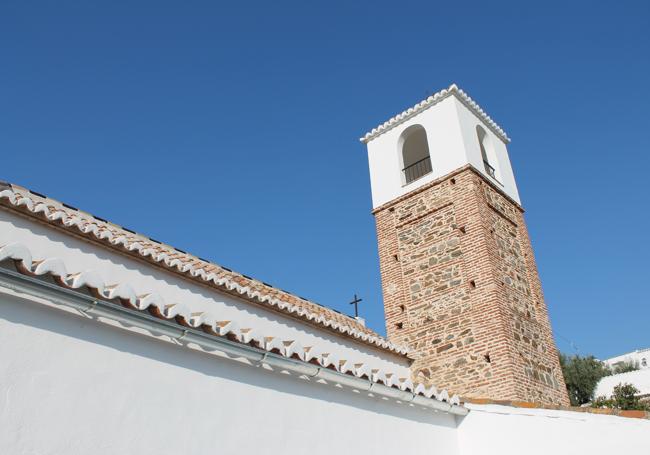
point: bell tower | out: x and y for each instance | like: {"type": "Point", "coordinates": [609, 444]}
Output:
{"type": "Point", "coordinates": [459, 279]}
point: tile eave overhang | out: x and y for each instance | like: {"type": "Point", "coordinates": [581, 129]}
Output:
{"type": "Point", "coordinates": [49, 281]}
{"type": "Point", "coordinates": [109, 235]}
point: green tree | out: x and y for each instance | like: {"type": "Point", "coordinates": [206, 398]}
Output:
{"type": "Point", "coordinates": [625, 397]}
{"type": "Point", "coordinates": [581, 375]}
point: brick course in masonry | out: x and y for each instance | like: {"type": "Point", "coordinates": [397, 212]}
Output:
{"type": "Point", "coordinates": [461, 287]}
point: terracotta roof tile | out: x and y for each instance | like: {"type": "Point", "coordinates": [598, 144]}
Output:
{"type": "Point", "coordinates": [191, 267]}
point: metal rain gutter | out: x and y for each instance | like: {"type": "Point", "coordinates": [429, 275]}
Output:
{"type": "Point", "coordinates": [90, 305]}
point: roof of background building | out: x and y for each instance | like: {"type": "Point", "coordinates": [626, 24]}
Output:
{"type": "Point", "coordinates": [191, 267]}
{"type": "Point", "coordinates": [639, 379]}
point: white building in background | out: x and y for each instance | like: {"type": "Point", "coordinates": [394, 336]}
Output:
{"type": "Point", "coordinates": [640, 357]}
{"type": "Point", "coordinates": [115, 343]}
{"type": "Point", "coordinates": [639, 378]}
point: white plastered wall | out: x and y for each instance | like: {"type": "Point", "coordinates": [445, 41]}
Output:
{"type": "Point", "coordinates": [502, 430]}
{"type": "Point", "coordinates": [71, 385]}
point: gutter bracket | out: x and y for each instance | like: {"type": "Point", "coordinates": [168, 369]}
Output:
{"type": "Point", "coordinates": [315, 375]}
{"type": "Point", "coordinates": [261, 361]}
{"type": "Point", "coordinates": [88, 309]}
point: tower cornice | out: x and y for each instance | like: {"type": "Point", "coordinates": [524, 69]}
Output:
{"type": "Point", "coordinates": [452, 90]}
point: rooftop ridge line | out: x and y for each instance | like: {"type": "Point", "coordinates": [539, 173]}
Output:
{"type": "Point", "coordinates": [114, 236]}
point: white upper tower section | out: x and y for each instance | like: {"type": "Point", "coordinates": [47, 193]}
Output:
{"type": "Point", "coordinates": [443, 133]}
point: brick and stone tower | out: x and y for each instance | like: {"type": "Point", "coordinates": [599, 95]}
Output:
{"type": "Point", "coordinates": [459, 278]}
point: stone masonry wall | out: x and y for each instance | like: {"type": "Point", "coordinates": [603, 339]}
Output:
{"type": "Point", "coordinates": [461, 287]}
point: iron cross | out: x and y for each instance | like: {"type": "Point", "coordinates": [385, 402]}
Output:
{"type": "Point", "coordinates": [355, 302]}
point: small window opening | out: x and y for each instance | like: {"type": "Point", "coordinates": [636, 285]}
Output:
{"type": "Point", "coordinates": [399, 325]}
{"type": "Point", "coordinates": [472, 283]}
{"type": "Point", "coordinates": [487, 358]}
{"type": "Point", "coordinates": [462, 229]}
{"type": "Point", "coordinates": [402, 308]}
{"type": "Point", "coordinates": [453, 181]}
{"type": "Point", "coordinates": [396, 257]}
{"type": "Point", "coordinates": [414, 149]}
{"type": "Point", "coordinates": [487, 153]}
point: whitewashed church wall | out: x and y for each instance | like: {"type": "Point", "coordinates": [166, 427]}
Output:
{"type": "Point", "coordinates": [501, 430]}
{"type": "Point", "coordinates": [81, 255]}
{"type": "Point", "coordinates": [72, 385]}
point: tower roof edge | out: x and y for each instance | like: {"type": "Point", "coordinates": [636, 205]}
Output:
{"type": "Point", "coordinates": [452, 90]}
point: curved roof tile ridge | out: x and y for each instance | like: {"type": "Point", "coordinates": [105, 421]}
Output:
{"type": "Point", "coordinates": [189, 266]}
{"type": "Point", "coordinates": [209, 323]}
{"type": "Point", "coordinates": [432, 101]}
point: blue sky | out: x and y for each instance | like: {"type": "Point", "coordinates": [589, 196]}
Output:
{"type": "Point", "coordinates": [231, 131]}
